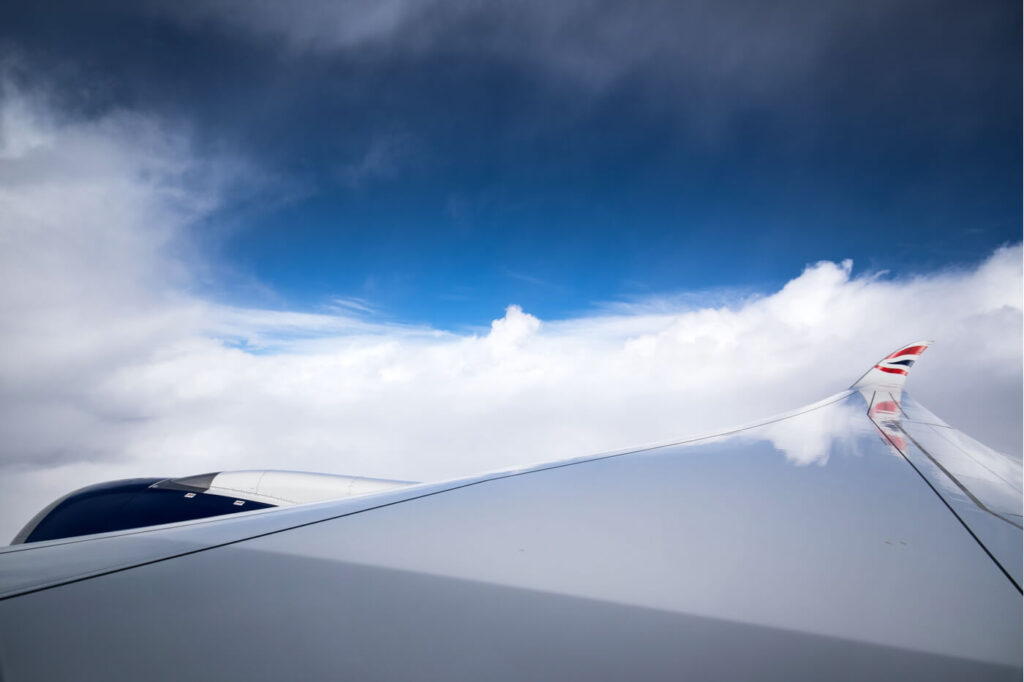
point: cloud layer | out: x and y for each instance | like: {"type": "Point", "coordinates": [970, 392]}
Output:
{"type": "Point", "coordinates": [594, 42]}
{"type": "Point", "coordinates": [112, 366]}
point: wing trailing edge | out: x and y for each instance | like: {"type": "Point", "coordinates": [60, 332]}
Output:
{"type": "Point", "coordinates": [980, 486]}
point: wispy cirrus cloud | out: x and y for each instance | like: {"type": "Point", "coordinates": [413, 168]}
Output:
{"type": "Point", "coordinates": [113, 365]}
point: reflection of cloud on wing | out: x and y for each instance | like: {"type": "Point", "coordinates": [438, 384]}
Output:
{"type": "Point", "coordinates": [885, 412]}
{"type": "Point", "coordinates": [810, 438]}
{"type": "Point", "coordinates": [970, 471]}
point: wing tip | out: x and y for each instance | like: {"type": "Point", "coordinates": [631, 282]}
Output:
{"type": "Point", "coordinates": [892, 370]}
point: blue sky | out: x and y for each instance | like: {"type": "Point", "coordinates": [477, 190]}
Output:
{"type": "Point", "coordinates": [439, 161]}
{"type": "Point", "coordinates": [416, 239]}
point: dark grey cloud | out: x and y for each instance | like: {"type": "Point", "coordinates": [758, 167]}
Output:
{"type": "Point", "coordinates": [701, 58]}
{"type": "Point", "coordinates": [673, 123]}
{"type": "Point", "coordinates": [738, 49]}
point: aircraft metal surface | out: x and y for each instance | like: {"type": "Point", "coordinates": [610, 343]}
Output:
{"type": "Point", "coordinates": [857, 538]}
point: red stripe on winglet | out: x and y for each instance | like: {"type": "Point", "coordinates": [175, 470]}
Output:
{"type": "Point", "coordinates": [913, 350]}
{"type": "Point", "coordinates": [892, 370]}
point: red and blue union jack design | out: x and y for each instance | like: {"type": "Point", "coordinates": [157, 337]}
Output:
{"type": "Point", "coordinates": [901, 361]}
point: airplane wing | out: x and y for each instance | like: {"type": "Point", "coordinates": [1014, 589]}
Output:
{"type": "Point", "coordinates": [857, 538]}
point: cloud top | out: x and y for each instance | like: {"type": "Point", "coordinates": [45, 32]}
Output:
{"type": "Point", "coordinates": [111, 365]}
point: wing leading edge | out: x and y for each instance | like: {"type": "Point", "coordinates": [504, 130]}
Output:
{"type": "Point", "coordinates": [803, 546]}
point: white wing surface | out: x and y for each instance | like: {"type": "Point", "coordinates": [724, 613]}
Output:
{"type": "Point", "coordinates": [816, 545]}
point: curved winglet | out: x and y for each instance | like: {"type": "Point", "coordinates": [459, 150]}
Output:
{"type": "Point", "coordinates": [891, 371]}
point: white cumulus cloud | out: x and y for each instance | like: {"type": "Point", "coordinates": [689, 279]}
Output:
{"type": "Point", "coordinates": [111, 366]}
